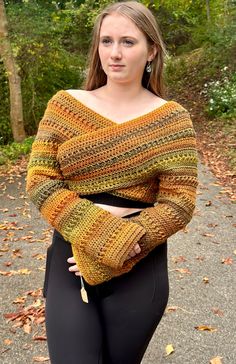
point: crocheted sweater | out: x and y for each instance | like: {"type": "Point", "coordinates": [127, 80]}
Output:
{"type": "Point", "coordinates": [151, 158]}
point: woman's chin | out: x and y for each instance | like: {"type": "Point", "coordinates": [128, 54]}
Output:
{"type": "Point", "coordinates": [118, 78]}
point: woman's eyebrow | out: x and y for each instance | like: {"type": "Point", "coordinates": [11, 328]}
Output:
{"type": "Point", "coordinates": [122, 37]}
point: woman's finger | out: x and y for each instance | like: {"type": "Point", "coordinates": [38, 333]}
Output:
{"type": "Point", "coordinates": [71, 260]}
{"type": "Point", "coordinates": [132, 253]}
{"type": "Point", "coordinates": [137, 249]}
{"type": "Point", "coordinates": [73, 268]}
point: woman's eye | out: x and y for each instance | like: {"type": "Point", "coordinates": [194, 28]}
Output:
{"type": "Point", "coordinates": [106, 41]}
{"type": "Point", "coordinates": [128, 42]}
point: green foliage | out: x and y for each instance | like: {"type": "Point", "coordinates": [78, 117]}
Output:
{"type": "Point", "coordinates": [78, 24]}
{"type": "Point", "coordinates": [47, 3]}
{"type": "Point", "coordinates": [11, 152]}
{"type": "Point", "coordinates": [204, 64]}
{"type": "Point", "coordinates": [221, 96]}
{"type": "Point", "coordinates": [186, 72]}
{"type": "Point", "coordinates": [185, 24]}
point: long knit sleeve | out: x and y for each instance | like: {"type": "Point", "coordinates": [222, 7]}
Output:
{"type": "Point", "coordinates": [175, 201]}
{"type": "Point", "coordinates": [84, 225]}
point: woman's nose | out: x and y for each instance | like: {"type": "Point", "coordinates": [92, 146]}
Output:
{"type": "Point", "coordinates": [116, 51]}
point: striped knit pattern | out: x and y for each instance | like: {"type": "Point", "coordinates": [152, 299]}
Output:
{"type": "Point", "coordinates": [151, 158]}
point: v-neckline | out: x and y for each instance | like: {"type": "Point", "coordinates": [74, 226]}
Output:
{"type": "Point", "coordinates": [111, 122]}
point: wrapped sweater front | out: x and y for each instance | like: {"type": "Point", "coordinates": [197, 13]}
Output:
{"type": "Point", "coordinates": [151, 158]}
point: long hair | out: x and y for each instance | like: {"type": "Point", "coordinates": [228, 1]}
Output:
{"type": "Point", "coordinates": [146, 22]}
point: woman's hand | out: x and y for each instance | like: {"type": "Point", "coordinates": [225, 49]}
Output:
{"type": "Point", "coordinates": [74, 267]}
{"type": "Point", "coordinates": [136, 250]}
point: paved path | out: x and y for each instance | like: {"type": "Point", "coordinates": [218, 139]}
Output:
{"type": "Point", "coordinates": [202, 279]}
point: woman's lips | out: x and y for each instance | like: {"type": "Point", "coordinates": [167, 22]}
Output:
{"type": "Point", "coordinates": [116, 66]}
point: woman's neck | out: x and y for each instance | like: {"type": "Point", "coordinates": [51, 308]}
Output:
{"type": "Point", "coordinates": [124, 93]}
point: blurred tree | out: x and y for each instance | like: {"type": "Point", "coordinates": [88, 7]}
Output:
{"type": "Point", "coordinates": [16, 112]}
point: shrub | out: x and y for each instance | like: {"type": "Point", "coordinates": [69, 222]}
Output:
{"type": "Point", "coordinates": [11, 152]}
{"type": "Point", "coordinates": [221, 95]}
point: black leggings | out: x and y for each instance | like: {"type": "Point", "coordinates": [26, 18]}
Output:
{"type": "Point", "coordinates": [117, 324]}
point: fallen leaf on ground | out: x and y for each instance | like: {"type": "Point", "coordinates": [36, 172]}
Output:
{"type": "Point", "coordinates": [27, 316]}
{"type": "Point", "coordinates": [39, 256]}
{"type": "Point", "coordinates": [208, 235]}
{"type": "Point", "coordinates": [200, 258]}
{"type": "Point", "coordinates": [183, 270]}
{"type": "Point", "coordinates": [217, 311]}
{"type": "Point", "coordinates": [17, 253]}
{"type": "Point", "coordinates": [8, 264]}
{"type": "Point", "coordinates": [27, 328]}
{"type": "Point", "coordinates": [216, 360]}
{"type": "Point", "coordinates": [3, 227]}
{"type": "Point", "coordinates": [179, 259]}
{"type": "Point", "coordinates": [8, 342]}
{"type": "Point", "coordinates": [11, 197]}
{"type": "Point", "coordinates": [23, 271]}
{"type": "Point", "coordinates": [35, 293]}
{"type": "Point", "coordinates": [4, 249]}
{"type": "Point", "coordinates": [27, 237]}
{"type": "Point", "coordinates": [20, 299]}
{"type": "Point", "coordinates": [42, 268]}
{"type": "Point", "coordinates": [40, 358]}
{"type": "Point", "coordinates": [205, 328]}
{"type": "Point", "coordinates": [40, 338]}
{"type": "Point", "coordinates": [4, 273]}
{"type": "Point", "coordinates": [172, 308]}
{"type": "Point", "coordinates": [37, 303]}
{"type": "Point", "coordinates": [227, 261]}
{"type": "Point", "coordinates": [211, 225]}
{"type": "Point", "coordinates": [169, 349]}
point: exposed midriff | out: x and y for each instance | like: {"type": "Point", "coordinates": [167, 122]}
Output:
{"type": "Point", "coordinates": [120, 206]}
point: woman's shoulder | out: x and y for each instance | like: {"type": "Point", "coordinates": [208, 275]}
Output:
{"type": "Point", "coordinates": [160, 101]}
{"type": "Point", "coordinates": [154, 101]}
{"type": "Point", "coordinates": [61, 95]}
{"type": "Point", "coordinates": [79, 94]}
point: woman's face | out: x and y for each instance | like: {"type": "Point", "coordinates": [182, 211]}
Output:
{"type": "Point", "coordinates": [123, 49]}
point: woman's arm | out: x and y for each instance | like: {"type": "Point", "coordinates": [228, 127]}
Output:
{"type": "Point", "coordinates": [175, 198]}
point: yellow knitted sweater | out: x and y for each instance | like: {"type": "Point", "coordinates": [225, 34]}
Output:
{"type": "Point", "coordinates": [151, 158]}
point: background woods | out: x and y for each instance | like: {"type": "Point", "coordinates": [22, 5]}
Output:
{"type": "Point", "coordinates": [47, 43]}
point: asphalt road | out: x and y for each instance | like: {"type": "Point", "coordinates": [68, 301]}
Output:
{"type": "Point", "coordinates": [201, 274]}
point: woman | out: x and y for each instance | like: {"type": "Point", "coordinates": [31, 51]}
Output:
{"type": "Point", "coordinates": [113, 170]}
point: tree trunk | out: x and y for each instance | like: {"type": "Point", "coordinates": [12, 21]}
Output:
{"type": "Point", "coordinates": [208, 10]}
{"type": "Point", "coordinates": [16, 113]}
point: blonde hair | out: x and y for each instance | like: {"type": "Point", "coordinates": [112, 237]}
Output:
{"type": "Point", "coordinates": [146, 22]}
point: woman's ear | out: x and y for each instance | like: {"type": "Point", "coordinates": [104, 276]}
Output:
{"type": "Point", "coordinates": [152, 52]}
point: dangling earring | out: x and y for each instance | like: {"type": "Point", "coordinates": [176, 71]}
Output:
{"type": "Point", "coordinates": [149, 67]}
